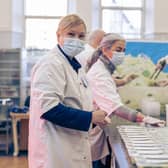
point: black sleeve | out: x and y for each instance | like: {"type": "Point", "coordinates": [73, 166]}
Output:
{"type": "Point", "coordinates": [69, 117]}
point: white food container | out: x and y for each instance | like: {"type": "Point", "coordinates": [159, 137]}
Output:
{"type": "Point", "coordinates": [150, 107]}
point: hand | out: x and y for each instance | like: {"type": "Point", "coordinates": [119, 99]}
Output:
{"type": "Point", "coordinates": [107, 121]}
{"type": "Point", "coordinates": [130, 77]}
{"type": "Point", "coordinates": [153, 121]}
{"type": "Point", "coordinates": [162, 83]}
{"type": "Point", "coordinates": [98, 117]}
{"type": "Point", "coordinates": [160, 65]}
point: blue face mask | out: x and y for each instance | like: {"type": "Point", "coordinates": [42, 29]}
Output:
{"type": "Point", "coordinates": [72, 46]}
{"type": "Point", "coordinates": [117, 58]}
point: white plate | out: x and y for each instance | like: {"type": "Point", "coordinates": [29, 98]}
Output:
{"type": "Point", "coordinates": [155, 161]}
{"type": "Point", "coordinates": [149, 152]}
{"type": "Point", "coordinates": [151, 148]}
{"type": "Point", "coordinates": [158, 157]}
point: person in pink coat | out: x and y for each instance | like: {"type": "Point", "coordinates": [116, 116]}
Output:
{"type": "Point", "coordinates": [105, 60]}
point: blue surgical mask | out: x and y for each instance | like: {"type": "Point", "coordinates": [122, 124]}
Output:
{"type": "Point", "coordinates": [72, 46]}
{"type": "Point", "coordinates": [117, 58]}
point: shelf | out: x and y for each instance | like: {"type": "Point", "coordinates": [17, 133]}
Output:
{"type": "Point", "coordinates": [9, 51]}
{"type": "Point", "coordinates": [8, 69]}
{"type": "Point", "coordinates": [13, 97]}
{"type": "Point", "coordinates": [11, 74]}
{"type": "Point", "coordinates": [9, 78]}
{"type": "Point", "coordinates": [9, 61]}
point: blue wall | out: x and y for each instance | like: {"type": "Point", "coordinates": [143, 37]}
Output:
{"type": "Point", "coordinates": [154, 50]}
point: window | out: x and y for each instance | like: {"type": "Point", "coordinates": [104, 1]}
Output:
{"type": "Point", "coordinates": [41, 20]}
{"type": "Point", "coordinates": [124, 17]}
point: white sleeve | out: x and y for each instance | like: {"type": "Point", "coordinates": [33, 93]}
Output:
{"type": "Point", "coordinates": [49, 83]}
{"type": "Point", "coordinates": [105, 94]}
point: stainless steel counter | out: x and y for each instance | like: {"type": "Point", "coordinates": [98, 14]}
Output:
{"type": "Point", "coordinates": [119, 150]}
{"type": "Point", "coordinates": [139, 147]}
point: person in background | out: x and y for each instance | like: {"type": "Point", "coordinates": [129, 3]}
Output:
{"type": "Point", "coordinates": [105, 95]}
{"type": "Point", "coordinates": [161, 60]}
{"type": "Point", "coordinates": [61, 112]}
{"type": "Point", "coordinates": [94, 40]}
{"type": "Point", "coordinates": [159, 66]}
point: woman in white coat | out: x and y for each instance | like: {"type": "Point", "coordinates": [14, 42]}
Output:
{"type": "Point", "coordinates": [108, 56]}
{"type": "Point", "coordinates": [61, 112]}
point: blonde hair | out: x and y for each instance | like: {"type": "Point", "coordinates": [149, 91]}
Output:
{"type": "Point", "coordinates": [70, 21]}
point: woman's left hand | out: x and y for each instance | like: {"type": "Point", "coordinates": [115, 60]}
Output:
{"type": "Point", "coordinates": [162, 83]}
{"type": "Point", "coordinates": [153, 121]}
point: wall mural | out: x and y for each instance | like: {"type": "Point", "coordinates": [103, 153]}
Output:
{"type": "Point", "coordinates": [141, 58]}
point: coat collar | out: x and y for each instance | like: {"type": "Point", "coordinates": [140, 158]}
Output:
{"type": "Point", "coordinates": [73, 62]}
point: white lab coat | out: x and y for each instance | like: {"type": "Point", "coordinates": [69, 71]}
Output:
{"type": "Point", "coordinates": [50, 145]}
{"type": "Point", "coordinates": [106, 98]}
{"type": "Point", "coordinates": [85, 56]}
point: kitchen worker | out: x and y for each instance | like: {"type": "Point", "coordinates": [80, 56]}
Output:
{"type": "Point", "coordinates": [61, 104]}
{"type": "Point", "coordinates": [94, 39]}
{"type": "Point", "coordinates": [159, 66]}
{"type": "Point", "coordinates": [118, 80]}
{"type": "Point", "coordinates": [105, 95]}
{"type": "Point", "coordinates": [160, 62]}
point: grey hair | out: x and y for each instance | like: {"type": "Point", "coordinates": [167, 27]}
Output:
{"type": "Point", "coordinates": [96, 35]}
{"type": "Point", "coordinates": [94, 58]}
{"type": "Point", "coordinates": [109, 39]}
